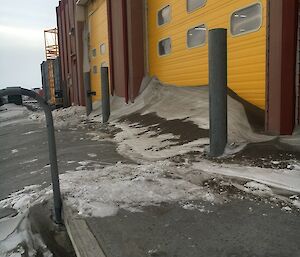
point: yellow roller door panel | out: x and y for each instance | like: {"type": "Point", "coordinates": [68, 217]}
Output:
{"type": "Point", "coordinates": [189, 67]}
{"type": "Point", "coordinates": [98, 27]}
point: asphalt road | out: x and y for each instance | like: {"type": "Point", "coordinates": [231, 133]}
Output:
{"type": "Point", "coordinates": [24, 153]}
{"type": "Point", "coordinates": [239, 228]}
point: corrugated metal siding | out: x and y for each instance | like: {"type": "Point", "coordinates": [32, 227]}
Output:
{"type": "Point", "coordinates": [189, 67]}
{"type": "Point", "coordinates": [98, 29]}
{"type": "Point", "coordinates": [136, 50]}
{"type": "Point", "coordinates": [45, 81]}
{"type": "Point", "coordinates": [57, 74]}
{"type": "Point", "coordinates": [72, 71]}
{"type": "Point", "coordinates": [51, 80]}
{"type": "Point", "coordinates": [119, 44]}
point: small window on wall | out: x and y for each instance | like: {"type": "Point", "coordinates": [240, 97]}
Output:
{"type": "Point", "coordinates": [164, 47]}
{"type": "Point", "coordinates": [164, 15]}
{"type": "Point", "coordinates": [196, 36]}
{"type": "Point", "coordinates": [104, 64]}
{"type": "Point", "coordinates": [102, 49]}
{"type": "Point", "coordinates": [95, 69]}
{"type": "Point", "coordinates": [193, 5]}
{"type": "Point", "coordinates": [94, 52]}
{"type": "Point", "coordinates": [246, 20]}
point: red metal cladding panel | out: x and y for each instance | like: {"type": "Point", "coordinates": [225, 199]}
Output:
{"type": "Point", "coordinates": [63, 50]}
{"type": "Point", "coordinates": [79, 51]}
{"type": "Point", "coordinates": [289, 53]}
{"type": "Point", "coordinates": [71, 51]}
{"type": "Point", "coordinates": [274, 66]}
{"type": "Point", "coordinates": [119, 47]}
{"type": "Point", "coordinates": [60, 36]}
{"type": "Point", "coordinates": [136, 50]}
{"type": "Point", "coordinates": [298, 65]}
{"type": "Point", "coordinates": [282, 48]}
{"type": "Point", "coordinates": [111, 46]}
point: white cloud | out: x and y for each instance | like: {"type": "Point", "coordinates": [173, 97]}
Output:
{"type": "Point", "coordinates": [20, 36]}
{"type": "Point", "coordinates": [22, 25]}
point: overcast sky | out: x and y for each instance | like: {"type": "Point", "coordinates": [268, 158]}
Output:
{"type": "Point", "coordinates": [22, 23]}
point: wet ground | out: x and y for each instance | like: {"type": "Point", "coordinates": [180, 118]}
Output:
{"type": "Point", "coordinates": [243, 226]}
{"type": "Point", "coordinates": [54, 236]}
{"type": "Point", "coordinates": [239, 228]}
{"type": "Point", "coordinates": [24, 156]}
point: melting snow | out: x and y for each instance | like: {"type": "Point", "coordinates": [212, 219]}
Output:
{"type": "Point", "coordinates": [282, 179]}
{"type": "Point", "coordinates": [64, 117]}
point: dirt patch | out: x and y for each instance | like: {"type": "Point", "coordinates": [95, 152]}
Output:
{"type": "Point", "coordinates": [184, 130]}
{"type": "Point", "coordinates": [272, 154]}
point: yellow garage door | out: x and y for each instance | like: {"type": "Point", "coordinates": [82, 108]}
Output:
{"type": "Point", "coordinates": [176, 58]}
{"type": "Point", "coordinates": [98, 47]}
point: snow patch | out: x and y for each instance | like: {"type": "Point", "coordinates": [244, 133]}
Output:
{"type": "Point", "coordinates": [29, 161]}
{"type": "Point", "coordinates": [102, 192]}
{"type": "Point", "coordinates": [16, 233]}
{"type": "Point", "coordinates": [140, 142]}
{"type": "Point", "coordinates": [282, 179]}
{"type": "Point", "coordinates": [63, 118]}
{"type": "Point", "coordinates": [31, 132]}
{"type": "Point", "coordinates": [92, 155]}
{"type": "Point", "coordinates": [150, 146]}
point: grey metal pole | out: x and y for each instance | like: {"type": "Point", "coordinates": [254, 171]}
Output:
{"type": "Point", "coordinates": [87, 87]}
{"type": "Point", "coordinates": [217, 91]}
{"type": "Point", "coordinates": [105, 94]}
{"type": "Point", "coordinates": [51, 145]}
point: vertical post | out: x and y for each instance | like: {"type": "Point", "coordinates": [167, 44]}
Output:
{"type": "Point", "coordinates": [51, 143]}
{"type": "Point", "coordinates": [217, 91]}
{"type": "Point", "coordinates": [54, 166]}
{"type": "Point", "coordinates": [105, 94]}
{"type": "Point", "coordinates": [87, 87]}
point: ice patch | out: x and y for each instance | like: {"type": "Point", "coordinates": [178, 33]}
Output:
{"type": "Point", "coordinates": [97, 136]}
{"type": "Point", "coordinates": [283, 179]}
{"type": "Point", "coordinates": [30, 161]}
{"type": "Point", "coordinates": [17, 238]}
{"type": "Point", "coordinates": [286, 208]}
{"type": "Point", "coordinates": [31, 132]}
{"type": "Point", "coordinates": [23, 199]}
{"type": "Point", "coordinates": [258, 188]}
{"type": "Point", "coordinates": [191, 206]}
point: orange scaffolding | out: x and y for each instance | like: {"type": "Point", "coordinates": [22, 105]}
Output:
{"type": "Point", "coordinates": [51, 43]}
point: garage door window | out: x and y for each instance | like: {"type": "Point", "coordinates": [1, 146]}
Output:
{"type": "Point", "coordinates": [102, 49]}
{"type": "Point", "coordinates": [164, 47]}
{"type": "Point", "coordinates": [246, 20]}
{"type": "Point", "coordinates": [164, 15]}
{"type": "Point", "coordinates": [193, 5]}
{"type": "Point", "coordinates": [94, 52]}
{"type": "Point", "coordinates": [95, 69]}
{"type": "Point", "coordinates": [196, 36]}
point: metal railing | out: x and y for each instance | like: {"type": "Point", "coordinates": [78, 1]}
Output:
{"type": "Point", "coordinates": [51, 144]}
